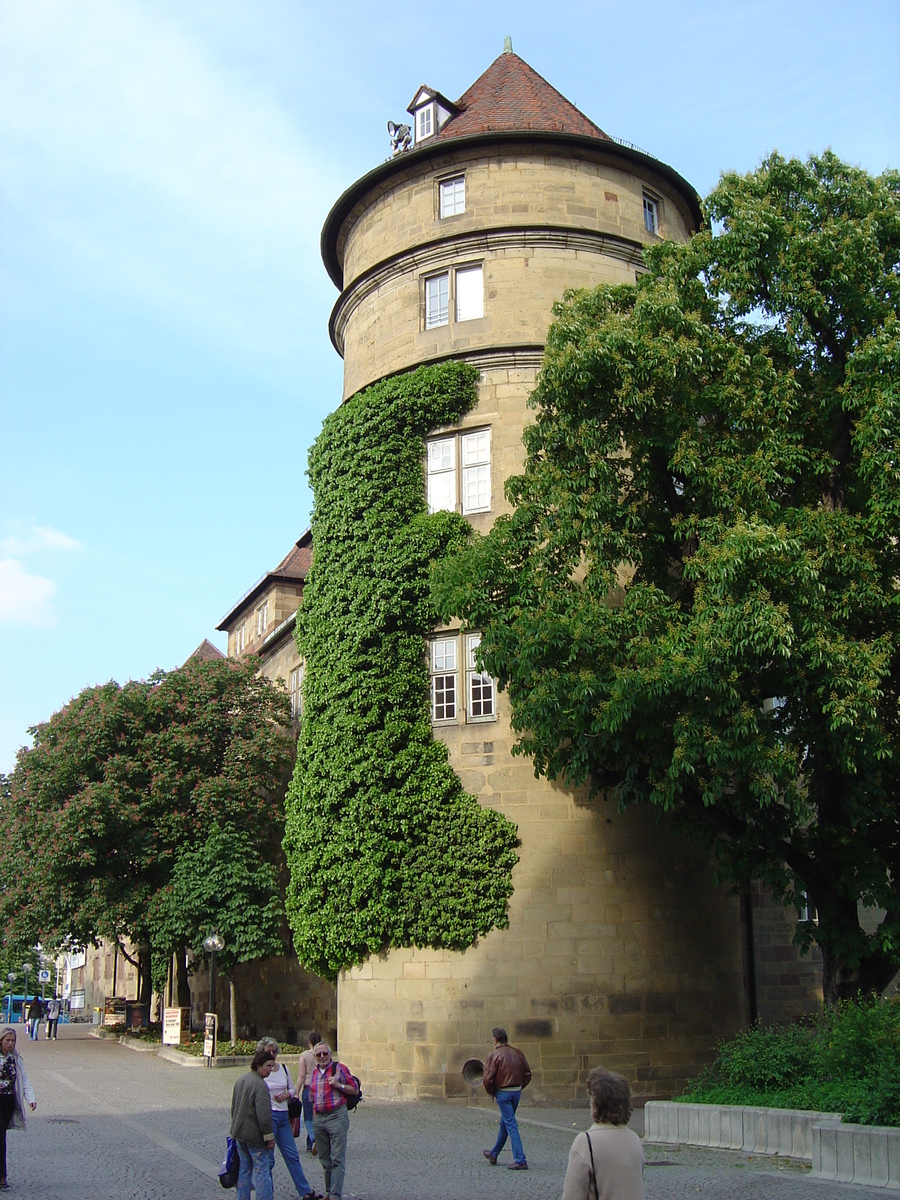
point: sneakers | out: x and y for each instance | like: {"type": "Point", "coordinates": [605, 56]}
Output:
{"type": "Point", "coordinates": [492, 1158]}
{"type": "Point", "coordinates": [516, 1166]}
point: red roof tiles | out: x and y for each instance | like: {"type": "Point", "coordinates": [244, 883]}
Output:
{"type": "Point", "coordinates": [511, 96]}
{"type": "Point", "coordinates": [206, 652]}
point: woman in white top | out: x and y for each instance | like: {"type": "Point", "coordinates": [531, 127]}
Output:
{"type": "Point", "coordinates": [606, 1162]}
{"type": "Point", "coordinates": [15, 1092]}
{"type": "Point", "coordinates": [280, 1091]}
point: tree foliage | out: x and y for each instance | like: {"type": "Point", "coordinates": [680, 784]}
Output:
{"type": "Point", "coordinates": [128, 789]}
{"type": "Point", "coordinates": [385, 847]}
{"type": "Point", "coordinates": [695, 601]}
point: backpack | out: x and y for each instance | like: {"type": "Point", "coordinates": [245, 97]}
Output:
{"type": "Point", "coordinates": [352, 1101]}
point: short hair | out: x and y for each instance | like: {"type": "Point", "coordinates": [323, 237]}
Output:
{"type": "Point", "coordinates": [314, 1038]}
{"type": "Point", "coordinates": [500, 1034]}
{"type": "Point", "coordinates": [324, 1046]}
{"type": "Point", "coordinates": [610, 1097]}
{"type": "Point", "coordinates": [267, 1043]}
{"type": "Point", "coordinates": [261, 1057]}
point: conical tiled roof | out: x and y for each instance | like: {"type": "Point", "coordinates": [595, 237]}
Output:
{"type": "Point", "coordinates": [510, 96]}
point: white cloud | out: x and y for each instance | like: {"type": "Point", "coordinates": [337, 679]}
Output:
{"type": "Point", "coordinates": [25, 599]}
{"type": "Point", "coordinates": [39, 537]}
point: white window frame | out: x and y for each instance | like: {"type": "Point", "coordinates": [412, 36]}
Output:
{"type": "Point", "coordinates": [240, 638]}
{"type": "Point", "coordinates": [651, 214]}
{"type": "Point", "coordinates": [437, 300]}
{"type": "Point", "coordinates": [262, 618]}
{"type": "Point", "coordinates": [426, 119]}
{"type": "Point", "coordinates": [443, 655]}
{"type": "Point", "coordinates": [452, 196]}
{"type": "Point", "coordinates": [481, 693]}
{"type": "Point", "coordinates": [469, 289]}
{"type": "Point", "coordinates": [436, 314]}
{"type": "Point", "coordinates": [458, 471]}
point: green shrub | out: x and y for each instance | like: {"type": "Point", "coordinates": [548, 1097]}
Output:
{"type": "Point", "coordinates": [847, 1061]}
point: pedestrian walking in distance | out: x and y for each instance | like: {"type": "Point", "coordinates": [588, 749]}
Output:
{"type": "Point", "coordinates": [606, 1162]}
{"type": "Point", "coordinates": [252, 1128]}
{"type": "Point", "coordinates": [329, 1088]}
{"type": "Point", "coordinates": [54, 1006]}
{"type": "Point", "coordinates": [15, 1093]}
{"type": "Point", "coordinates": [506, 1073]}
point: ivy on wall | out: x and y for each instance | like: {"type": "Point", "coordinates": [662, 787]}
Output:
{"type": "Point", "coordinates": [385, 847]}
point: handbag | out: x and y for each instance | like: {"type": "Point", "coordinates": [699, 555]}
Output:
{"type": "Point", "coordinates": [231, 1165]}
{"type": "Point", "coordinates": [295, 1126]}
{"type": "Point", "coordinates": [295, 1110]}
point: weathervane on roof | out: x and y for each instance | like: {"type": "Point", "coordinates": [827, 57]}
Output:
{"type": "Point", "coordinates": [401, 137]}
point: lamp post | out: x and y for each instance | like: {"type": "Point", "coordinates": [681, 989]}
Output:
{"type": "Point", "coordinates": [11, 978]}
{"type": "Point", "coordinates": [212, 945]}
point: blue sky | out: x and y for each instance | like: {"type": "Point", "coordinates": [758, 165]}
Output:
{"type": "Point", "coordinates": [165, 170]}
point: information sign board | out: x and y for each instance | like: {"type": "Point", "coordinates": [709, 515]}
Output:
{"type": "Point", "coordinates": [115, 1012]}
{"type": "Point", "coordinates": [209, 1038]}
{"type": "Point", "coordinates": [175, 1026]}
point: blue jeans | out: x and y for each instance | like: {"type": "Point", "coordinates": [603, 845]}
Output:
{"type": "Point", "coordinates": [256, 1162]}
{"type": "Point", "coordinates": [508, 1102]}
{"type": "Point", "coordinates": [284, 1140]}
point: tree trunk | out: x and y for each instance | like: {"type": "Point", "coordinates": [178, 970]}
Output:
{"type": "Point", "coordinates": [183, 988]}
{"type": "Point", "coordinates": [145, 976]}
{"type": "Point", "coordinates": [870, 978]}
{"type": "Point", "coordinates": [232, 1010]}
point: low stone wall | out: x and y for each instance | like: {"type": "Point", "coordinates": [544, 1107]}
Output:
{"type": "Point", "coordinates": [865, 1154]}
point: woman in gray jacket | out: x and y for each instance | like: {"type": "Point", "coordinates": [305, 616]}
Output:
{"type": "Point", "coordinates": [15, 1092]}
{"type": "Point", "coordinates": [252, 1128]}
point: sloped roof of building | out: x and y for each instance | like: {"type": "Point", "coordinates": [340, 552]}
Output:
{"type": "Point", "coordinates": [206, 652]}
{"type": "Point", "coordinates": [509, 100]}
{"type": "Point", "coordinates": [511, 96]}
{"type": "Point", "coordinates": [293, 568]}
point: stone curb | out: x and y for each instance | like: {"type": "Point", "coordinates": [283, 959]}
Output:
{"type": "Point", "coordinates": [865, 1154]}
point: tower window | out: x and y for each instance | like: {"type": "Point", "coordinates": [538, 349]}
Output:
{"type": "Point", "coordinates": [437, 300]}
{"type": "Point", "coordinates": [479, 684]}
{"type": "Point", "coordinates": [425, 122]}
{"type": "Point", "coordinates": [297, 693]}
{"type": "Point", "coordinates": [240, 638]}
{"type": "Point", "coordinates": [262, 618]}
{"type": "Point", "coordinates": [651, 214]}
{"type": "Point", "coordinates": [443, 679]}
{"type": "Point", "coordinates": [466, 456]}
{"type": "Point", "coordinates": [469, 294]}
{"type": "Point", "coordinates": [461, 290]}
{"type": "Point", "coordinates": [453, 196]}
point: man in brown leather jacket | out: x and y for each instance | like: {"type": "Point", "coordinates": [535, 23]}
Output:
{"type": "Point", "coordinates": [506, 1073]}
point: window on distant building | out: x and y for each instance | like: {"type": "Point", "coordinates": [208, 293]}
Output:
{"type": "Point", "coordinates": [262, 618]}
{"type": "Point", "coordinates": [240, 637]}
{"type": "Point", "coordinates": [651, 214]}
{"type": "Point", "coordinates": [443, 679]}
{"type": "Point", "coordinates": [480, 704]}
{"type": "Point", "coordinates": [452, 196]}
{"type": "Point", "coordinates": [296, 689]}
{"type": "Point", "coordinates": [465, 457]}
{"type": "Point", "coordinates": [460, 291]}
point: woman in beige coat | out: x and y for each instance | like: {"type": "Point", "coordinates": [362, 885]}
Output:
{"type": "Point", "coordinates": [606, 1162]}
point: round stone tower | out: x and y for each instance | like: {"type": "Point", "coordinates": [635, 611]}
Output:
{"type": "Point", "coordinates": [619, 949]}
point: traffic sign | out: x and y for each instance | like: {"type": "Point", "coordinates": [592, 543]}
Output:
{"type": "Point", "coordinates": [44, 976]}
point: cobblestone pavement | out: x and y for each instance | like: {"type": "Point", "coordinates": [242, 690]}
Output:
{"type": "Point", "coordinates": [113, 1124]}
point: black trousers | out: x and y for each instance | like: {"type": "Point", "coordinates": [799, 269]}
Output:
{"type": "Point", "coordinates": [7, 1108]}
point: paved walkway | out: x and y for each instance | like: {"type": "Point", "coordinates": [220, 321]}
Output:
{"type": "Point", "coordinates": [113, 1124]}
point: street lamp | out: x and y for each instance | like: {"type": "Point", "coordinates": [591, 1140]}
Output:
{"type": "Point", "coordinates": [11, 977]}
{"type": "Point", "coordinates": [212, 945]}
{"type": "Point", "coordinates": [26, 967]}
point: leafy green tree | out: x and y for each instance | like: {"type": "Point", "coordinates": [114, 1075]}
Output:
{"type": "Point", "coordinates": [125, 781]}
{"type": "Point", "coordinates": [696, 601]}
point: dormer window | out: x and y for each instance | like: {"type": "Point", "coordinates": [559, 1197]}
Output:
{"type": "Point", "coordinates": [430, 111]}
{"type": "Point", "coordinates": [425, 122]}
